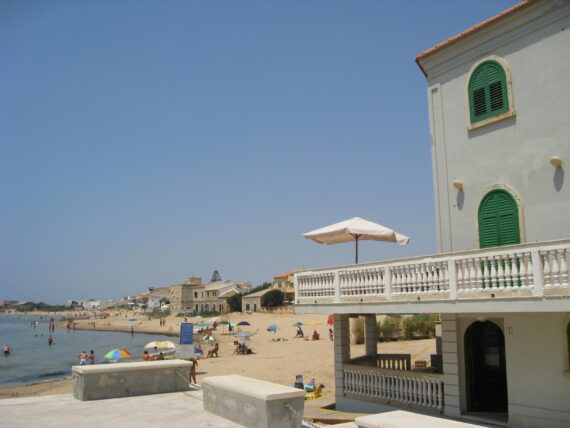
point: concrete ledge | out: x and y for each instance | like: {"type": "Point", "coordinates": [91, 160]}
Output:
{"type": "Point", "coordinates": [402, 419]}
{"type": "Point", "coordinates": [254, 403]}
{"type": "Point", "coordinates": [130, 379]}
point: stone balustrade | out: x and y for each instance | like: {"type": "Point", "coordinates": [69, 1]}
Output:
{"type": "Point", "coordinates": [528, 270]}
{"type": "Point", "coordinates": [405, 387]}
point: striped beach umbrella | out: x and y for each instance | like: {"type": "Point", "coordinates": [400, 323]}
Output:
{"type": "Point", "coordinates": [117, 354]}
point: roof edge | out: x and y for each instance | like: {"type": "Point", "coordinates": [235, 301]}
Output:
{"type": "Point", "coordinates": [523, 4]}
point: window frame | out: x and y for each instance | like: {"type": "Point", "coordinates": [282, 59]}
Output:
{"type": "Point", "coordinates": [505, 113]}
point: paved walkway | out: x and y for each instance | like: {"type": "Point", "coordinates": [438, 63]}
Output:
{"type": "Point", "coordinates": [179, 409]}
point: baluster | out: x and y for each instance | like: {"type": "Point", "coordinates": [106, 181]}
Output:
{"type": "Point", "coordinates": [413, 277]}
{"type": "Point", "coordinates": [508, 272]}
{"type": "Point", "coordinates": [515, 274]}
{"type": "Point", "coordinates": [478, 273]}
{"type": "Point", "coordinates": [529, 271]}
{"type": "Point", "coordinates": [468, 280]}
{"type": "Point", "coordinates": [500, 272]}
{"type": "Point", "coordinates": [546, 270]}
{"type": "Point", "coordinates": [430, 278]}
{"type": "Point", "coordinates": [563, 269]}
{"type": "Point", "coordinates": [393, 279]}
{"type": "Point", "coordinates": [459, 268]}
{"type": "Point", "coordinates": [555, 270]}
{"type": "Point", "coordinates": [398, 275]}
{"type": "Point", "coordinates": [445, 280]}
{"type": "Point", "coordinates": [493, 271]}
{"type": "Point", "coordinates": [486, 273]}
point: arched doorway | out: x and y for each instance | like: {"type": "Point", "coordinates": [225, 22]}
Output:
{"type": "Point", "coordinates": [485, 367]}
{"type": "Point", "coordinates": [498, 220]}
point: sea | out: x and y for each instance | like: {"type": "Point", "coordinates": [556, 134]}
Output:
{"type": "Point", "coordinates": [33, 360]}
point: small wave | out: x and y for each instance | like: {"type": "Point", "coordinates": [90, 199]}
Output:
{"type": "Point", "coordinates": [53, 374]}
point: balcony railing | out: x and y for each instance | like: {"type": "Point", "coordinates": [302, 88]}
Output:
{"type": "Point", "coordinates": [412, 388]}
{"type": "Point", "coordinates": [530, 270]}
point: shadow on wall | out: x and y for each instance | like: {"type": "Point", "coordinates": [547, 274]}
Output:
{"type": "Point", "coordinates": [460, 199]}
{"type": "Point", "coordinates": [558, 178]}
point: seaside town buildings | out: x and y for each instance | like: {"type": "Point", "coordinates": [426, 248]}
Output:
{"type": "Point", "coordinates": [197, 297]}
{"type": "Point", "coordinates": [499, 99]}
{"type": "Point", "coordinates": [283, 282]}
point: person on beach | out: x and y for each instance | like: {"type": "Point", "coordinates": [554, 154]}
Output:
{"type": "Point", "coordinates": [331, 334]}
{"type": "Point", "coordinates": [316, 335]}
{"type": "Point", "coordinates": [83, 358]}
{"type": "Point", "coordinates": [299, 333]}
{"type": "Point", "coordinates": [161, 356]}
{"type": "Point", "coordinates": [146, 357]}
{"type": "Point", "coordinates": [132, 330]}
{"type": "Point", "coordinates": [92, 357]}
{"type": "Point", "coordinates": [6, 350]}
{"type": "Point", "coordinates": [50, 340]}
{"type": "Point", "coordinates": [193, 370]}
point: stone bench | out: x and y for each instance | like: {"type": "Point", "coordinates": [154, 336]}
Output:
{"type": "Point", "coordinates": [130, 379]}
{"type": "Point", "coordinates": [254, 403]}
{"type": "Point", "coordinates": [403, 419]}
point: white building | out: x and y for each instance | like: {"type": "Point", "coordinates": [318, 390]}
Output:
{"type": "Point", "coordinates": [499, 106]}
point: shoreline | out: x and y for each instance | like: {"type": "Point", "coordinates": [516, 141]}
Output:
{"type": "Point", "coordinates": [277, 357]}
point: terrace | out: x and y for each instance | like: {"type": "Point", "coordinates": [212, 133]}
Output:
{"type": "Point", "coordinates": [529, 277]}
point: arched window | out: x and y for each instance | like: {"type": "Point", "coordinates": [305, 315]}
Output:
{"type": "Point", "coordinates": [498, 220]}
{"type": "Point", "coordinates": [488, 91]}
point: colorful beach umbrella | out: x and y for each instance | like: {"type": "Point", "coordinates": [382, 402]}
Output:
{"type": "Point", "coordinates": [298, 324]}
{"type": "Point", "coordinates": [224, 323]}
{"type": "Point", "coordinates": [167, 344]}
{"type": "Point", "coordinates": [330, 320]}
{"type": "Point", "coordinates": [203, 324]}
{"type": "Point", "coordinates": [208, 338]}
{"type": "Point", "coordinates": [243, 323]}
{"type": "Point", "coordinates": [117, 354]}
{"type": "Point", "coordinates": [273, 328]}
{"type": "Point", "coordinates": [245, 334]}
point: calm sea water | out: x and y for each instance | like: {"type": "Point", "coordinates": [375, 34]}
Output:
{"type": "Point", "coordinates": [33, 360]}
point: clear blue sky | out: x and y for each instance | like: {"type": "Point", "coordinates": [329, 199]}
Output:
{"type": "Point", "coordinates": [142, 142]}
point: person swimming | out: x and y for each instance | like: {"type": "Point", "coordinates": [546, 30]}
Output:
{"type": "Point", "coordinates": [6, 350]}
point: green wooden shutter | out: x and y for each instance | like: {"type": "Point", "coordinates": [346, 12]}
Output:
{"type": "Point", "coordinates": [498, 220]}
{"type": "Point", "coordinates": [487, 91]}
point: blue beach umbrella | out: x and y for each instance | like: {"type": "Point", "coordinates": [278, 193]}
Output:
{"type": "Point", "coordinates": [243, 323]}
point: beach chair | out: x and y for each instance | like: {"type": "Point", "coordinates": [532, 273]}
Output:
{"type": "Point", "coordinates": [316, 393]}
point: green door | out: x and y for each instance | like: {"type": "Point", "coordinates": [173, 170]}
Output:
{"type": "Point", "coordinates": [498, 220]}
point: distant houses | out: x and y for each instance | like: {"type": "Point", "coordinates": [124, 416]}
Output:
{"type": "Point", "coordinates": [283, 282]}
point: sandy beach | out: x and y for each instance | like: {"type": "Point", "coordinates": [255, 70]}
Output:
{"type": "Point", "coordinates": [272, 360]}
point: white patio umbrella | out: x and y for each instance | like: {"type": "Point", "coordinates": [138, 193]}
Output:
{"type": "Point", "coordinates": [356, 229]}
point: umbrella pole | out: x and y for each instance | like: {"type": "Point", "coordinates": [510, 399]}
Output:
{"type": "Point", "coordinates": [356, 241]}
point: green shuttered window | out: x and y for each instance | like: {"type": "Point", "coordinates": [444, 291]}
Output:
{"type": "Point", "coordinates": [498, 220]}
{"type": "Point", "coordinates": [488, 91]}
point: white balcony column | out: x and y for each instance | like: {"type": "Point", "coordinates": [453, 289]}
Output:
{"type": "Point", "coordinates": [537, 273]}
{"type": "Point", "coordinates": [336, 285]}
{"type": "Point", "coordinates": [452, 279]}
{"type": "Point", "coordinates": [370, 335]}
{"type": "Point", "coordinates": [387, 283]}
{"type": "Point", "coordinates": [296, 288]}
{"type": "Point", "coordinates": [341, 350]}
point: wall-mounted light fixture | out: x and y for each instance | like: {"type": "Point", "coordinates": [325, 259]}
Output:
{"type": "Point", "coordinates": [458, 184]}
{"type": "Point", "coordinates": [555, 161]}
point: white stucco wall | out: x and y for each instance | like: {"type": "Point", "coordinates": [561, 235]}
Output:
{"type": "Point", "coordinates": [537, 379]}
{"type": "Point", "coordinates": [514, 152]}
